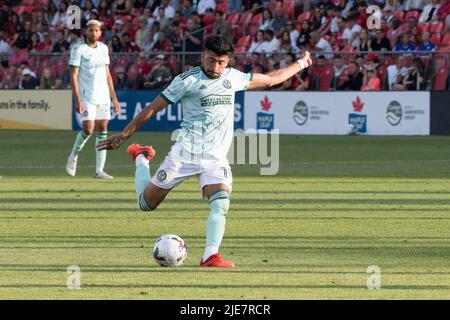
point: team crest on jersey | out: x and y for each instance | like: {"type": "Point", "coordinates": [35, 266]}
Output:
{"type": "Point", "coordinates": [162, 175]}
{"type": "Point", "coordinates": [85, 113]}
{"type": "Point", "coordinates": [227, 84]}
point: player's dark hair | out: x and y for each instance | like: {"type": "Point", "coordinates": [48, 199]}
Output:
{"type": "Point", "coordinates": [219, 45]}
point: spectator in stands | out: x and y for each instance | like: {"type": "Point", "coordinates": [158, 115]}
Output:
{"type": "Point", "coordinates": [279, 20]}
{"type": "Point", "coordinates": [380, 43]}
{"type": "Point", "coordinates": [426, 44]}
{"type": "Point", "coordinates": [128, 44]}
{"type": "Point", "coordinates": [267, 20]}
{"type": "Point", "coordinates": [23, 39]}
{"type": "Point", "coordinates": [17, 56]}
{"type": "Point", "coordinates": [285, 43]}
{"type": "Point", "coordinates": [140, 5]}
{"type": "Point", "coordinates": [371, 81]}
{"type": "Point", "coordinates": [118, 29]}
{"type": "Point", "coordinates": [430, 11]}
{"type": "Point", "coordinates": [88, 9]}
{"type": "Point", "coordinates": [5, 48]}
{"type": "Point", "coordinates": [394, 31]}
{"type": "Point", "coordinates": [60, 18]}
{"type": "Point", "coordinates": [163, 20]}
{"type": "Point", "coordinates": [116, 44]}
{"type": "Point", "coordinates": [414, 5]}
{"type": "Point", "coordinates": [142, 33]}
{"type": "Point", "coordinates": [304, 36]}
{"type": "Point", "coordinates": [205, 4]}
{"type": "Point", "coordinates": [169, 11]}
{"type": "Point", "coordinates": [320, 44]}
{"type": "Point", "coordinates": [271, 43]}
{"type": "Point", "coordinates": [12, 77]}
{"type": "Point", "coordinates": [104, 10]}
{"type": "Point", "coordinates": [351, 33]}
{"type": "Point", "coordinates": [193, 37]}
{"type": "Point", "coordinates": [28, 82]}
{"type": "Point", "coordinates": [293, 33]}
{"type": "Point", "coordinates": [396, 72]}
{"type": "Point", "coordinates": [405, 44]}
{"type": "Point", "coordinates": [364, 40]}
{"type": "Point", "coordinates": [75, 38]}
{"type": "Point", "coordinates": [415, 77]}
{"type": "Point", "coordinates": [173, 33]}
{"type": "Point", "coordinates": [221, 27]}
{"type": "Point", "coordinates": [208, 21]}
{"type": "Point", "coordinates": [373, 61]}
{"type": "Point", "coordinates": [186, 8]}
{"type": "Point", "coordinates": [50, 12]}
{"type": "Point", "coordinates": [257, 43]}
{"type": "Point", "coordinates": [354, 80]}
{"type": "Point", "coordinates": [121, 82]}
{"type": "Point", "coordinates": [35, 45]}
{"type": "Point", "coordinates": [148, 17]}
{"type": "Point", "coordinates": [122, 7]}
{"type": "Point", "coordinates": [158, 78]}
{"type": "Point", "coordinates": [163, 44]}
{"type": "Point", "coordinates": [317, 19]}
{"type": "Point", "coordinates": [48, 81]}
{"type": "Point", "coordinates": [338, 66]}
{"type": "Point", "coordinates": [198, 23]}
{"type": "Point", "coordinates": [303, 80]}
{"type": "Point", "coordinates": [253, 63]}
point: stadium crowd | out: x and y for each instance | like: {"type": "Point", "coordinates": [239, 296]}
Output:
{"type": "Point", "coordinates": [404, 46]}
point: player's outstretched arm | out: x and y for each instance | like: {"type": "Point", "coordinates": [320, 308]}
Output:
{"type": "Point", "coordinates": [261, 81]}
{"type": "Point", "coordinates": [116, 140]}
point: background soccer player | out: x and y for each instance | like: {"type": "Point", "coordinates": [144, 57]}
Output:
{"type": "Point", "coordinates": [207, 96]}
{"type": "Point", "coordinates": [92, 87]}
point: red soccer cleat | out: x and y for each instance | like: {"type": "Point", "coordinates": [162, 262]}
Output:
{"type": "Point", "coordinates": [135, 149]}
{"type": "Point", "coordinates": [216, 261]}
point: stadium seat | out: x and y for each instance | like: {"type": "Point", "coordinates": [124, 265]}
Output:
{"type": "Point", "coordinates": [233, 18]}
{"type": "Point", "coordinates": [422, 27]}
{"type": "Point", "coordinates": [412, 14]}
{"type": "Point", "coordinates": [304, 16]}
{"type": "Point", "coordinates": [289, 8]}
{"type": "Point", "coordinates": [382, 75]}
{"type": "Point", "coordinates": [245, 41]}
{"type": "Point", "coordinates": [222, 6]}
{"type": "Point", "coordinates": [21, 9]}
{"type": "Point", "coordinates": [255, 23]}
{"type": "Point", "coordinates": [445, 41]}
{"type": "Point", "coordinates": [243, 25]}
{"type": "Point", "coordinates": [436, 26]}
{"type": "Point", "coordinates": [436, 38]}
{"type": "Point", "coordinates": [440, 79]}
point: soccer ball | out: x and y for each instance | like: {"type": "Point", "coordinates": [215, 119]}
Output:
{"type": "Point", "coordinates": [170, 250]}
{"type": "Point", "coordinates": [351, 129]}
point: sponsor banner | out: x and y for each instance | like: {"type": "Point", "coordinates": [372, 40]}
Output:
{"type": "Point", "coordinates": [372, 113]}
{"type": "Point", "coordinates": [35, 109]}
{"type": "Point", "coordinates": [440, 113]}
{"type": "Point", "coordinates": [168, 119]}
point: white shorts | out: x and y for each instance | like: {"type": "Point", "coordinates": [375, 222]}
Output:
{"type": "Point", "coordinates": [172, 172]}
{"type": "Point", "coordinates": [96, 111]}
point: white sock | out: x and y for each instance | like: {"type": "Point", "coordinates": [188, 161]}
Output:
{"type": "Point", "coordinates": [209, 251]}
{"type": "Point", "coordinates": [73, 157]}
{"type": "Point", "coordinates": [140, 159]}
{"type": "Point", "coordinates": [98, 170]}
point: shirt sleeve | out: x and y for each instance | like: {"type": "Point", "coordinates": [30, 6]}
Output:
{"type": "Point", "coordinates": [175, 91]}
{"type": "Point", "coordinates": [75, 57]}
{"type": "Point", "coordinates": [241, 80]}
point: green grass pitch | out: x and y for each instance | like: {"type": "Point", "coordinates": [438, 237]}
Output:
{"type": "Point", "coordinates": [338, 205]}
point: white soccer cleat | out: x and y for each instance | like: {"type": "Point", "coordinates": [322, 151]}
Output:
{"type": "Point", "coordinates": [103, 175]}
{"type": "Point", "coordinates": [71, 167]}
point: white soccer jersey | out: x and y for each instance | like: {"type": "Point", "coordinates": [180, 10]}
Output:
{"type": "Point", "coordinates": [92, 63]}
{"type": "Point", "coordinates": [208, 110]}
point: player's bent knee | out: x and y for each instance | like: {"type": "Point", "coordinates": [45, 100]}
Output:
{"type": "Point", "coordinates": [143, 204]}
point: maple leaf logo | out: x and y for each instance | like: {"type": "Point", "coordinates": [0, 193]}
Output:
{"type": "Point", "coordinates": [358, 105]}
{"type": "Point", "coordinates": [266, 104]}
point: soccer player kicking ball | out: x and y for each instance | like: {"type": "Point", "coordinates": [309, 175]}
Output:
{"type": "Point", "coordinates": [92, 87]}
{"type": "Point", "coordinates": [207, 96]}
